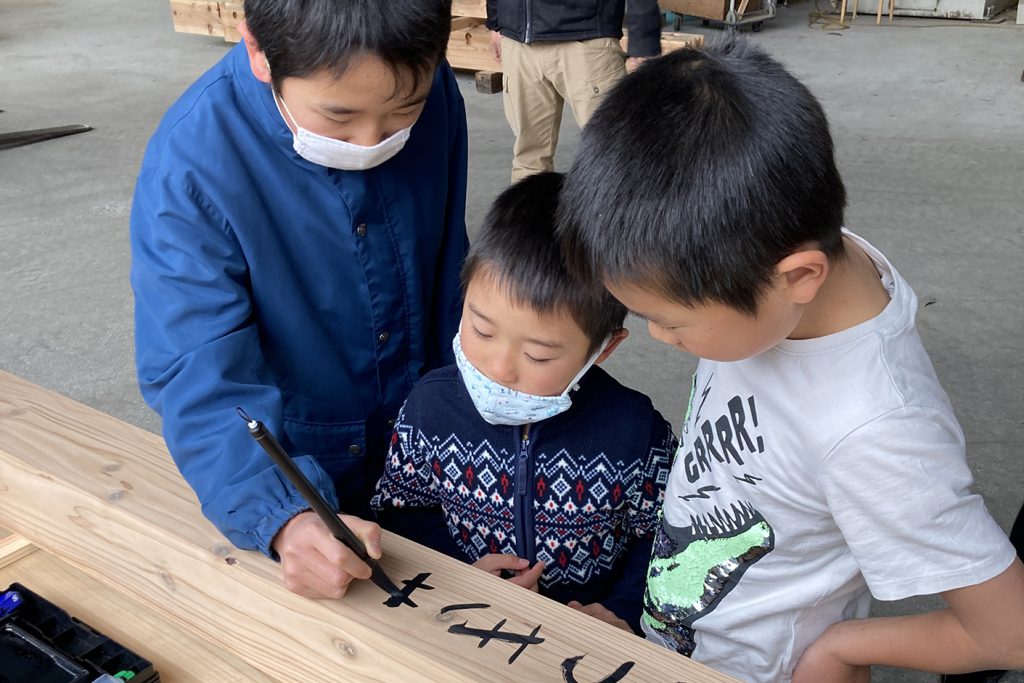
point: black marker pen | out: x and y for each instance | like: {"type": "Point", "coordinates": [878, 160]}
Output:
{"type": "Point", "coordinates": [337, 528]}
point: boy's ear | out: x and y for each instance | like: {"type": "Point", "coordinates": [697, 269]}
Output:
{"type": "Point", "coordinates": [802, 274]}
{"type": "Point", "coordinates": [617, 337]}
{"type": "Point", "coordinates": [257, 62]}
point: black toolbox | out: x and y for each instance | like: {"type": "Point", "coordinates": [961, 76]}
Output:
{"type": "Point", "coordinates": [41, 643]}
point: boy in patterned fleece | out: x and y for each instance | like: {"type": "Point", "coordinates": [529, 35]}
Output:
{"type": "Point", "coordinates": [524, 458]}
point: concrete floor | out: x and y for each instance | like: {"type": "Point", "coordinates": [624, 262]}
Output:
{"type": "Point", "coordinates": [927, 116]}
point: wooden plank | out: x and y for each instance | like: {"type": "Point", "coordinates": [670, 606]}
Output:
{"type": "Point", "coordinates": [105, 497]}
{"type": "Point", "coordinates": [221, 19]}
{"type": "Point", "coordinates": [468, 44]}
{"type": "Point", "coordinates": [676, 41]}
{"type": "Point", "coordinates": [178, 655]}
{"type": "Point", "coordinates": [469, 8]}
{"type": "Point", "coordinates": [465, 23]}
{"type": "Point", "coordinates": [470, 49]}
{"type": "Point", "coordinates": [218, 19]}
{"type": "Point", "coordinates": [14, 547]}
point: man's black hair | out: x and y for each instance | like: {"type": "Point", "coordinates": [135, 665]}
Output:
{"type": "Point", "coordinates": [698, 173]}
{"type": "Point", "coordinates": [517, 247]}
{"type": "Point", "coordinates": [302, 37]}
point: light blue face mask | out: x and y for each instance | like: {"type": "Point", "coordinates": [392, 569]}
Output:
{"type": "Point", "coordinates": [499, 405]}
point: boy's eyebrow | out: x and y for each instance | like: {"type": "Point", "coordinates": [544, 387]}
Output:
{"type": "Point", "coordinates": [540, 342]}
{"type": "Point", "coordinates": [346, 111]}
{"type": "Point", "coordinates": [478, 314]}
{"type": "Point", "coordinates": [341, 111]}
{"type": "Point", "coordinates": [547, 344]}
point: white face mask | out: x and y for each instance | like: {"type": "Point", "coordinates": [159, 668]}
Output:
{"type": "Point", "coordinates": [499, 405]}
{"type": "Point", "coordinates": [339, 154]}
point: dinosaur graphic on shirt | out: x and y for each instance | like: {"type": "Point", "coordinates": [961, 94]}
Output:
{"type": "Point", "coordinates": [692, 568]}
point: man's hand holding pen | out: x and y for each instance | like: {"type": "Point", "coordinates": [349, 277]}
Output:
{"type": "Point", "coordinates": [315, 564]}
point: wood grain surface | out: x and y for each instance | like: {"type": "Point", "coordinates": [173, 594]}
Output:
{"type": "Point", "coordinates": [178, 655]}
{"type": "Point", "coordinates": [106, 498]}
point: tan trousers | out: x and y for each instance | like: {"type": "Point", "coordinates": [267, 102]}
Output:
{"type": "Point", "coordinates": [539, 78]}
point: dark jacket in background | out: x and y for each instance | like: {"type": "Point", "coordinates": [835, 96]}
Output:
{"type": "Point", "coordinates": [532, 21]}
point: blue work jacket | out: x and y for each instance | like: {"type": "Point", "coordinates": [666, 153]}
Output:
{"type": "Point", "coordinates": [311, 297]}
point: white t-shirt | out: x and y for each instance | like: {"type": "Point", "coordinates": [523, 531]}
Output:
{"type": "Point", "coordinates": [806, 476]}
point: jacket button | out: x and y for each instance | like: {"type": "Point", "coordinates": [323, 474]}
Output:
{"type": "Point", "coordinates": [354, 449]}
{"type": "Point", "coordinates": [383, 336]}
{"type": "Point", "coordinates": [361, 229]}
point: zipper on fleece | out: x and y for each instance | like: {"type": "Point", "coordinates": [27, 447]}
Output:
{"type": "Point", "coordinates": [522, 507]}
{"type": "Point", "coordinates": [528, 34]}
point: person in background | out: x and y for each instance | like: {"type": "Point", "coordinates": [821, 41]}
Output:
{"type": "Point", "coordinates": [296, 233]}
{"type": "Point", "coordinates": [552, 52]}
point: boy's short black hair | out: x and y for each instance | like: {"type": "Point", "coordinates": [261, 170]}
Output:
{"type": "Point", "coordinates": [698, 173]}
{"type": "Point", "coordinates": [302, 37]}
{"type": "Point", "coordinates": [517, 247]}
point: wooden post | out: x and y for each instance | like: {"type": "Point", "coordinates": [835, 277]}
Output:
{"type": "Point", "coordinates": [106, 498]}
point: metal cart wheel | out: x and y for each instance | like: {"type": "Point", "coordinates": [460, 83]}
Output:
{"type": "Point", "coordinates": [757, 26]}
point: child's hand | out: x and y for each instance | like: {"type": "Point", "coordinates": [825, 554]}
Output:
{"type": "Point", "coordinates": [519, 568]}
{"type": "Point", "coordinates": [599, 611]}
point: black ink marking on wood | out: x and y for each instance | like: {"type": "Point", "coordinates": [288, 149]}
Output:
{"type": "Point", "coordinates": [468, 605]}
{"type": "Point", "coordinates": [486, 635]}
{"type": "Point", "coordinates": [410, 586]}
{"type": "Point", "coordinates": [522, 647]}
{"type": "Point", "coordinates": [570, 664]}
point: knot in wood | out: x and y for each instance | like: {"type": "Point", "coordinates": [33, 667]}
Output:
{"type": "Point", "coordinates": [344, 647]}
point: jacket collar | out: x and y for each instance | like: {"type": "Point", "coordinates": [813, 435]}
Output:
{"type": "Point", "coordinates": [260, 98]}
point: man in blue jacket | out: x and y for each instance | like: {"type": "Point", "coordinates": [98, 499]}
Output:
{"type": "Point", "coordinates": [297, 231]}
{"type": "Point", "coordinates": [552, 52]}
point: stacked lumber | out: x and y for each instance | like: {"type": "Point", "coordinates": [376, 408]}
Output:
{"type": "Point", "coordinates": [468, 44]}
{"type": "Point", "coordinates": [213, 18]}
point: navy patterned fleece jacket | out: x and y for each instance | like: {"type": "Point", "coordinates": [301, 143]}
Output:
{"type": "Point", "coordinates": [580, 491]}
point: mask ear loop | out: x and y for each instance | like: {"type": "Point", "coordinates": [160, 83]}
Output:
{"type": "Point", "coordinates": [574, 384]}
{"type": "Point", "coordinates": [278, 100]}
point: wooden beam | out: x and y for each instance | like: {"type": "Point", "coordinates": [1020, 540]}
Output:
{"type": "Point", "coordinates": [469, 8]}
{"type": "Point", "coordinates": [218, 19]}
{"type": "Point", "coordinates": [465, 23]}
{"type": "Point", "coordinates": [470, 49]}
{"type": "Point", "coordinates": [178, 655]}
{"type": "Point", "coordinates": [106, 498]}
{"type": "Point", "coordinates": [671, 41]}
{"type": "Point", "coordinates": [14, 547]}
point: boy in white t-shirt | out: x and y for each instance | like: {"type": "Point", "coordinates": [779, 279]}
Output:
{"type": "Point", "coordinates": [820, 461]}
